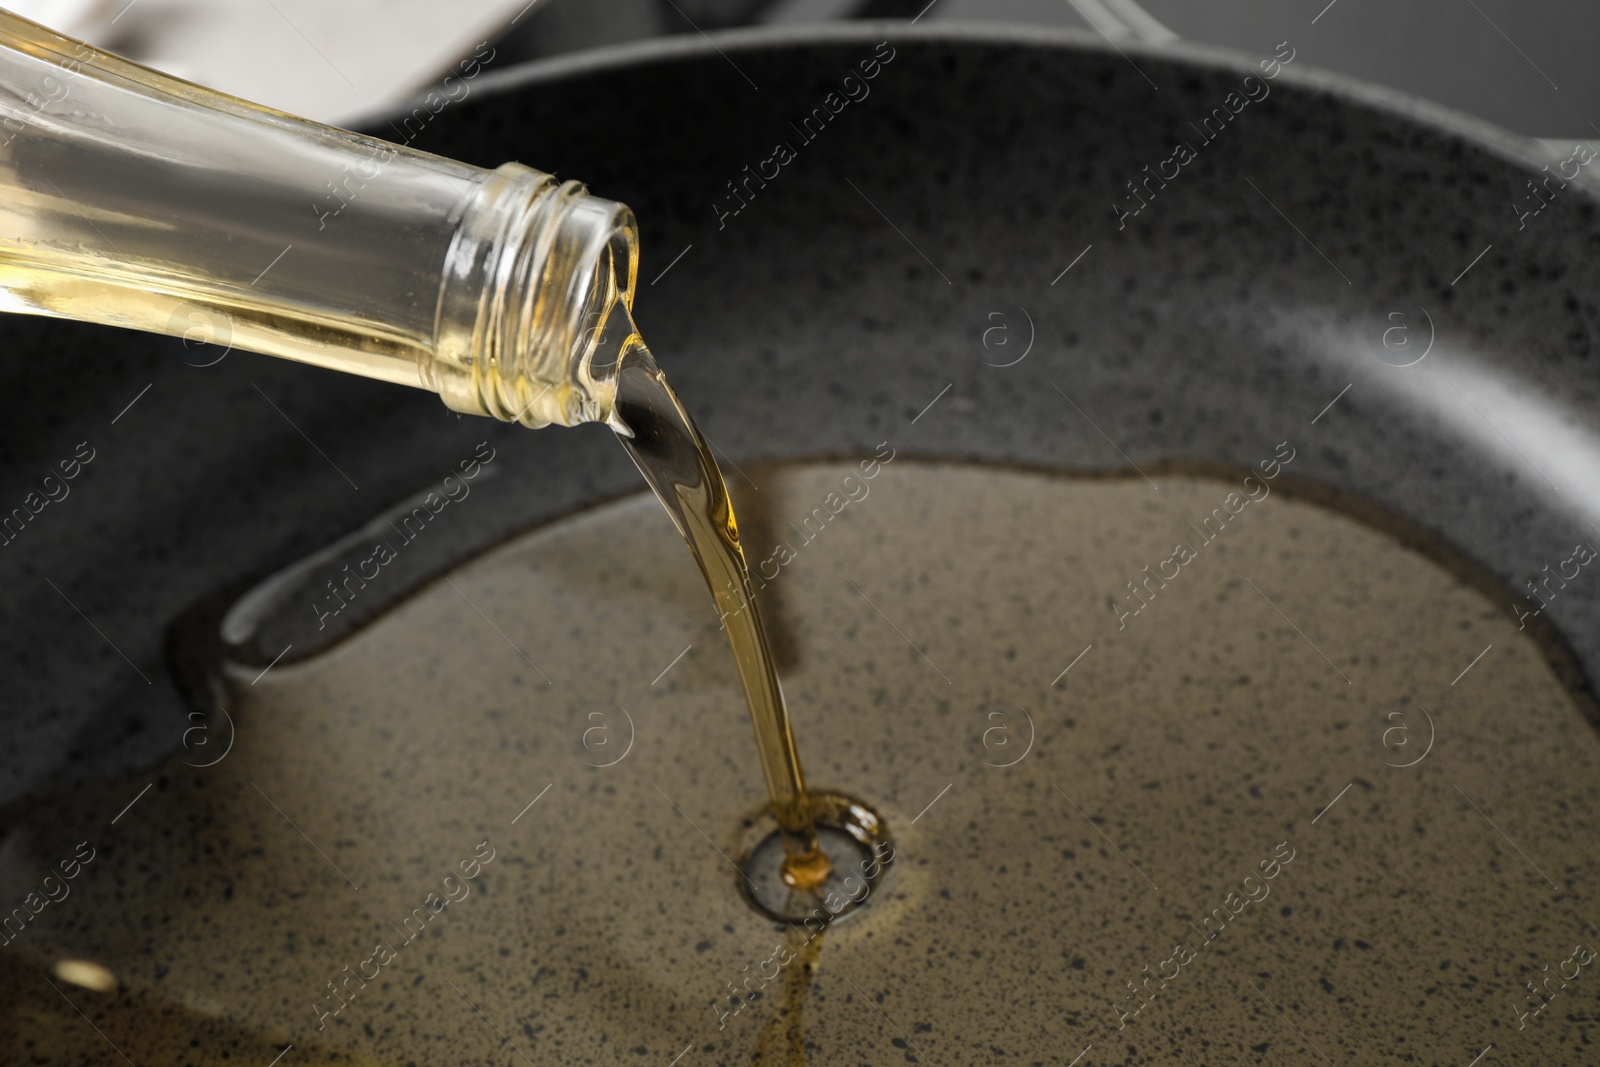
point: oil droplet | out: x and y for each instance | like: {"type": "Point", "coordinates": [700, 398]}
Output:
{"type": "Point", "coordinates": [86, 974]}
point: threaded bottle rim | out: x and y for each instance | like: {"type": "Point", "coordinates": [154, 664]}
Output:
{"type": "Point", "coordinates": [532, 275]}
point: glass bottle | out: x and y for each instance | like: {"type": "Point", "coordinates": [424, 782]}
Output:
{"type": "Point", "coordinates": [135, 199]}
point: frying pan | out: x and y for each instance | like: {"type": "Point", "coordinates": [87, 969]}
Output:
{"type": "Point", "coordinates": [1336, 265]}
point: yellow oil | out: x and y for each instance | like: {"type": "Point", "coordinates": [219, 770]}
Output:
{"type": "Point", "coordinates": [1191, 742]}
{"type": "Point", "coordinates": [247, 319]}
{"type": "Point", "coordinates": [782, 1041]}
{"type": "Point", "coordinates": [676, 461]}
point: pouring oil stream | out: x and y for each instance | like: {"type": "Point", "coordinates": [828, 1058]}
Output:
{"type": "Point", "coordinates": [669, 450]}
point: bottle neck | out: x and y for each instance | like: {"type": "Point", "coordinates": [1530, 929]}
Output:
{"type": "Point", "coordinates": [530, 285]}
{"type": "Point", "coordinates": [134, 199]}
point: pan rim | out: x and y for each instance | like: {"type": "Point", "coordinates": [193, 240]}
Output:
{"type": "Point", "coordinates": [1520, 150]}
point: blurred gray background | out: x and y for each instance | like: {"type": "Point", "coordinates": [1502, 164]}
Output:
{"type": "Point", "coordinates": [1527, 65]}
{"type": "Point", "coordinates": [1522, 64]}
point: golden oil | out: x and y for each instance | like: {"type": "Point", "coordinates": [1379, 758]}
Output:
{"type": "Point", "coordinates": [676, 461]}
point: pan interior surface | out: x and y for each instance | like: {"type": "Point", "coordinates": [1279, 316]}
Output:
{"type": "Point", "coordinates": [1185, 768]}
{"type": "Point", "coordinates": [1309, 793]}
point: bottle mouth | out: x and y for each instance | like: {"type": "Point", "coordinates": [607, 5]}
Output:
{"type": "Point", "coordinates": [529, 329]}
{"type": "Point", "coordinates": [608, 333]}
